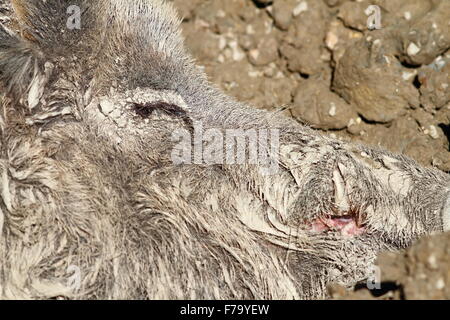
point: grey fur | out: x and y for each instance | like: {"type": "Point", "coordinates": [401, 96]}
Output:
{"type": "Point", "coordinates": [86, 183]}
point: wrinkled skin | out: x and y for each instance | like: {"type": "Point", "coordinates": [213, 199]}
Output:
{"type": "Point", "coordinates": [89, 125]}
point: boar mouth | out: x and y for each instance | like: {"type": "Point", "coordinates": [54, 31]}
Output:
{"type": "Point", "coordinates": [344, 219]}
{"type": "Point", "coordinates": [348, 225]}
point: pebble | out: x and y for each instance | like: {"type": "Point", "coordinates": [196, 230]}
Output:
{"type": "Point", "coordinates": [413, 49]}
{"type": "Point", "coordinates": [433, 132]}
{"type": "Point", "coordinates": [237, 53]}
{"type": "Point", "coordinates": [407, 15]}
{"type": "Point", "coordinates": [301, 7]}
{"type": "Point", "coordinates": [331, 40]}
{"type": "Point", "coordinates": [432, 261]}
{"type": "Point", "coordinates": [440, 284]}
{"type": "Point", "coordinates": [408, 75]}
{"type": "Point", "coordinates": [332, 111]}
{"type": "Point", "coordinates": [222, 43]}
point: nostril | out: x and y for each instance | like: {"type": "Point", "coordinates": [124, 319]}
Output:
{"type": "Point", "coordinates": [446, 214]}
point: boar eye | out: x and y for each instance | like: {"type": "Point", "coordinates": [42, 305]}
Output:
{"type": "Point", "coordinates": [145, 110]}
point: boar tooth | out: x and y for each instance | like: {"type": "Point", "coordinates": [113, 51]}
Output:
{"type": "Point", "coordinates": [340, 195]}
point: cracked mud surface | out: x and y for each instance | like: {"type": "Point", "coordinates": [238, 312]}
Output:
{"type": "Point", "coordinates": [317, 61]}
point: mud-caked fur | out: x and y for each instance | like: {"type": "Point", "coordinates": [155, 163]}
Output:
{"type": "Point", "coordinates": [87, 185]}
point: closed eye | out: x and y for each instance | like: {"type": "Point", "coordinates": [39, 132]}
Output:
{"type": "Point", "coordinates": [146, 110]}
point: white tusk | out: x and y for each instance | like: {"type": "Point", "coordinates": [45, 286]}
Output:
{"type": "Point", "coordinates": [340, 195]}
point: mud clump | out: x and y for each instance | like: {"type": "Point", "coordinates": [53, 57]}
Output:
{"type": "Point", "coordinates": [320, 63]}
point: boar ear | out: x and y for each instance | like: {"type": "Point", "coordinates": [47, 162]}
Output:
{"type": "Point", "coordinates": [53, 25]}
{"type": "Point", "coordinates": [43, 34]}
{"type": "Point", "coordinates": [20, 64]}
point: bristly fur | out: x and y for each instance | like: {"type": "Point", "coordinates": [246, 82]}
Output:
{"type": "Point", "coordinates": [18, 63]}
{"type": "Point", "coordinates": [88, 182]}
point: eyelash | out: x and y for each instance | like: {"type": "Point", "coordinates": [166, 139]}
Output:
{"type": "Point", "coordinates": [145, 110]}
